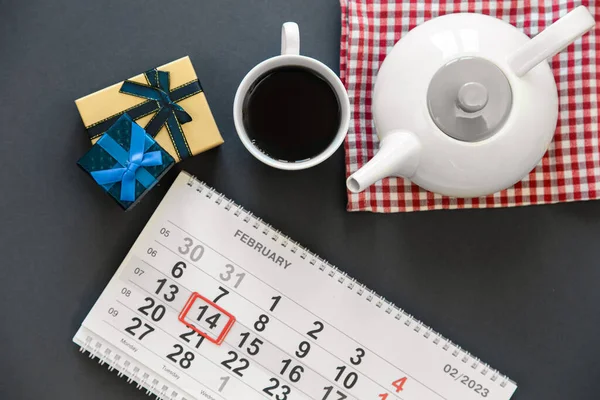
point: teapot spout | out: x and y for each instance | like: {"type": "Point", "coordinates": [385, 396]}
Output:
{"type": "Point", "coordinates": [398, 155]}
{"type": "Point", "coordinates": [552, 40]}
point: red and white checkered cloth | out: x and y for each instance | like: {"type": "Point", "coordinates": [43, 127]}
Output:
{"type": "Point", "coordinates": [570, 170]}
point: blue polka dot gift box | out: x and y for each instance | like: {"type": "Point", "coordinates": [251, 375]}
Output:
{"type": "Point", "coordinates": [126, 162]}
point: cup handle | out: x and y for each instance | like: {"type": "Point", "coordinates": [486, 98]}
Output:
{"type": "Point", "coordinates": [290, 39]}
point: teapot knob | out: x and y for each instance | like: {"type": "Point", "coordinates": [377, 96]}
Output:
{"type": "Point", "coordinates": [472, 97]}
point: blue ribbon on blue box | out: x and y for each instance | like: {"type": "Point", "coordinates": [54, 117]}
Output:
{"type": "Point", "coordinates": [130, 165]}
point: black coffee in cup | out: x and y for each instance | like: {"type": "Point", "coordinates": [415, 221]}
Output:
{"type": "Point", "coordinates": [291, 114]}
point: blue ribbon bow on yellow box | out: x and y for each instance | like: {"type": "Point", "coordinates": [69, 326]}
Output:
{"type": "Point", "coordinates": [126, 162]}
{"type": "Point", "coordinates": [162, 101]}
{"type": "Point", "coordinates": [168, 101]}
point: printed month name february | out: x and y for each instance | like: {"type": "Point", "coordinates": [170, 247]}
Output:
{"type": "Point", "coordinates": [265, 251]}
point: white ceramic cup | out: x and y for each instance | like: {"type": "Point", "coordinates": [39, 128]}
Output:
{"type": "Point", "coordinates": [290, 56]}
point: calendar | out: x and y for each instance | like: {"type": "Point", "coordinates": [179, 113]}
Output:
{"type": "Point", "coordinates": [213, 303]}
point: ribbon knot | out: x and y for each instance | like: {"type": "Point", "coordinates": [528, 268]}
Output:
{"type": "Point", "coordinates": [130, 165]}
{"type": "Point", "coordinates": [165, 99]}
{"type": "Point", "coordinates": [169, 112]}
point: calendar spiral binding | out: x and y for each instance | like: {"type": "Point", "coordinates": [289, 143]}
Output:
{"type": "Point", "coordinates": [352, 284]}
{"type": "Point", "coordinates": [125, 366]}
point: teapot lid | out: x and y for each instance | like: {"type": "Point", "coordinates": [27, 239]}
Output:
{"type": "Point", "coordinates": [469, 99]}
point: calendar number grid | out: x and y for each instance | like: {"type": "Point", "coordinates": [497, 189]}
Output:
{"type": "Point", "coordinates": [370, 297]}
{"type": "Point", "coordinates": [399, 372]}
{"type": "Point", "coordinates": [263, 310]}
{"type": "Point", "coordinates": [185, 321]}
{"type": "Point", "coordinates": [247, 216]}
{"type": "Point", "coordinates": [276, 318]}
{"type": "Point", "coordinates": [232, 346]}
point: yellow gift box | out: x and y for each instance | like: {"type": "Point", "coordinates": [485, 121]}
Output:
{"type": "Point", "coordinates": [169, 93]}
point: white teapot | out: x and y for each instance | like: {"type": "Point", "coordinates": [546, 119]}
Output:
{"type": "Point", "coordinates": [465, 104]}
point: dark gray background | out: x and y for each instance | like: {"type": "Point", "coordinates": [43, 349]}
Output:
{"type": "Point", "coordinates": [516, 287]}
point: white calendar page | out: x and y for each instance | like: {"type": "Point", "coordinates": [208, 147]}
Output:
{"type": "Point", "coordinates": [302, 329]}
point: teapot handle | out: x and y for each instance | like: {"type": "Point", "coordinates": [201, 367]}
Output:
{"type": "Point", "coordinates": [552, 40]}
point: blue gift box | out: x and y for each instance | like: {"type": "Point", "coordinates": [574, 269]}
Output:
{"type": "Point", "coordinates": [126, 162]}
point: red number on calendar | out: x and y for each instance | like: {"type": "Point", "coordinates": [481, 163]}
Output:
{"type": "Point", "coordinates": [384, 396]}
{"type": "Point", "coordinates": [399, 384]}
